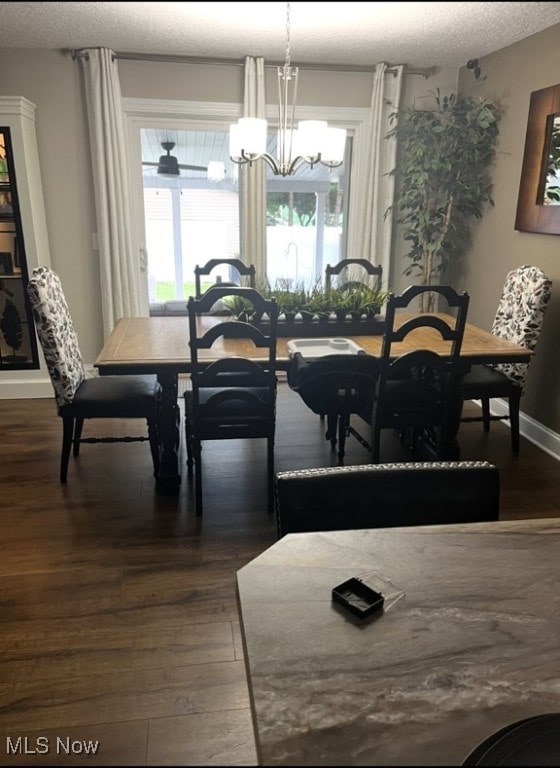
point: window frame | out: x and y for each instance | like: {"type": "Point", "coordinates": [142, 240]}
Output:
{"type": "Point", "coordinates": [200, 115]}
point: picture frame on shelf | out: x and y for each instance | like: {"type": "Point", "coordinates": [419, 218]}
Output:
{"type": "Point", "coordinates": [6, 263]}
{"type": "Point", "coordinates": [6, 207]}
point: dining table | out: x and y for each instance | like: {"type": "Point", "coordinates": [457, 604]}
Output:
{"type": "Point", "coordinates": [464, 647]}
{"type": "Point", "coordinates": [160, 345]}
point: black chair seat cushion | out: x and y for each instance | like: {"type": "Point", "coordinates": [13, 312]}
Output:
{"type": "Point", "coordinates": [116, 397]}
{"type": "Point", "coordinates": [481, 378]}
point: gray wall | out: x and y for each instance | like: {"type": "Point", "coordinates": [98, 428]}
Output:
{"type": "Point", "coordinates": [53, 82]}
{"type": "Point", "coordinates": [511, 75]}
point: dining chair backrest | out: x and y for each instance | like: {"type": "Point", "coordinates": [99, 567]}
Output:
{"type": "Point", "coordinates": [520, 313]}
{"type": "Point", "coordinates": [353, 273]}
{"type": "Point", "coordinates": [264, 336]}
{"type": "Point", "coordinates": [451, 328]}
{"type": "Point", "coordinates": [386, 495]}
{"type": "Point", "coordinates": [56, 333]}
{"type": "Point", "coordinates": [336, 386]}
{"type": "Point", "coordinates": [237, 272]}
{"type": "Point", "coordinates": [419, 389]}
{"type": "Point", "coordinates": [233, 397]}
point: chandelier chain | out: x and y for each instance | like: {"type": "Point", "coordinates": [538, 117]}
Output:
{"type": "Point", "coordinates": [287, 34]}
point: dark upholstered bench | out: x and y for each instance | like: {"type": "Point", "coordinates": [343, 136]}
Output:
{"type": "Point", "coordinates": [383, 495]}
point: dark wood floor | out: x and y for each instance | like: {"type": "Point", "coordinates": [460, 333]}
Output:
{"type": "Point", "coordinates": [118, 606]}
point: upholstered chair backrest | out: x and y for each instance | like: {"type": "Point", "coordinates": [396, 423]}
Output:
{"type": "Point", "coordinates": [56, 333]}
{"type": "Point", "coordinates": [519, 317]}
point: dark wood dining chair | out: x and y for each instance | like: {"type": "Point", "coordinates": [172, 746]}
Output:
{"type": "Point", "coordinates": [355, 273]}
{"type": "Point", "coordinates": [417, 392]}
{"type": "Point", "coordinates": [336, 386]}
{"type": "Point", "coordinates": [232, 397]}
{"type": "Point", "coordinates": [238, 272]}
{"type": "Point", "coordinates": [386, 495]}
{"type": "Point", "coordinates": [519, 318]}
{"type": "Point", "coordinates": [77, 397]}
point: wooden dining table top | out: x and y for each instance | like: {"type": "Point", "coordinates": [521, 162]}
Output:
{"type": "Point", "coordinates": [148, 344]}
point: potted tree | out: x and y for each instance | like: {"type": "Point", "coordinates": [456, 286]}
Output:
{"type": "Point", "coordinates": [443, 177]}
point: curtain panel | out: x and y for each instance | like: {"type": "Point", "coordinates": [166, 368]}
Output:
{"type": "Point", "coordinates": [372, 189]}
{"type": "Point", "coordinates": [122, 272]}
{"type": "Point", "coordinates": [252, 179]}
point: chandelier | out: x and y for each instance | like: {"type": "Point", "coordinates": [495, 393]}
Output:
{"type": "Point", "coordinates": [312, 142]}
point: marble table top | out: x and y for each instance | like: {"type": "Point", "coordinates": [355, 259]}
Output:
{"type": "Point", "coordinates": [472, 646]}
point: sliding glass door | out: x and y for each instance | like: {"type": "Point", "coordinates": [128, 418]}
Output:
{"type": "Point", "coordinates": [192, 214]}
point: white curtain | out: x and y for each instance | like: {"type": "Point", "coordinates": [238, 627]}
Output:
{"type": "Point", "coordinates": [123, 283]}
{"type": "Point", "coordinates": [252, 180]}
{"type": "Point", "coordinates": [372, 229]}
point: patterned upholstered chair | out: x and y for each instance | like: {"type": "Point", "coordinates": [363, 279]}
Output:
{"type": "Point", "coordinates": [77, 397]}
{"type": "Point", "coordinates": [519, 317]}
{"type": "Point", "coordinates": [385, 495]}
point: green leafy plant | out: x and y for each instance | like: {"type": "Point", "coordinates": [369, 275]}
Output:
{"type": "Point", "coordinates": [372, 300]}
{"type": "Point", "coordinates": [443, 177]}
{"type": "Point", "coordinates": [239, 306]}
{"type": "Point", "coordinates": [290, 297]}
{"type": "Point", "coordinates": [321, 301]}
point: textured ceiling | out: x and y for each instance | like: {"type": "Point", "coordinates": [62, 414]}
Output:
{"type": "Point", "coordinates": [360, 34]}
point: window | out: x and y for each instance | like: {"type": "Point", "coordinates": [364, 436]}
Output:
{"type": "Point", "coordinates": [305, 224]}
{"type": "Point", "coordinates": [188, 219]}
{"type": "Point", "coordinates": [185, 219]}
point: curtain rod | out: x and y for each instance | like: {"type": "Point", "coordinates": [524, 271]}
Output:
{"type": "Point", "coordinates": [178, 59]}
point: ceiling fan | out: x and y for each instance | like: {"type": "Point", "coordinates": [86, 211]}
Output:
{"type": "Point", "coordinates": [168, 165]}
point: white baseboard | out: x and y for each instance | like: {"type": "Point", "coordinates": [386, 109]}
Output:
{"type": "Point", "coordinates": [543, 437]}
{"type": "Point", "coordinates": [24, 388]}
{"type": "Point", "coordinates": [27, 385]}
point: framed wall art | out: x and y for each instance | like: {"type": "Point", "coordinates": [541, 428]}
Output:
{"type": "Point", "coordinates": [538, 202]}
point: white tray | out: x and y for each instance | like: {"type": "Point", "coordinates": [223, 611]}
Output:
{"type": "Point", "coordinates": [322, 347]}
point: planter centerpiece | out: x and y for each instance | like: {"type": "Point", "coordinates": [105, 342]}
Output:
{"type": "Point", "coordinates": [319, 311]}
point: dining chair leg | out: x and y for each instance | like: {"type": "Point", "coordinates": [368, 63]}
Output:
{"type": "Point", "coordinates": [343, 423]}
{"type": "Point", "coordinates": [189, 444]}
{"type": "Point", "coordinates": [197, 477]}
{"type": "Point", "coordinates": [153, 436]}
{"type": "Point", "coordinates": [332, 420]}
{"type": "Point", "coordinates": [79, 425]}
{"type": "Point", "coordinates": [514, 402]}
{"type": "Point", "coordinates": [486, 413]}
{"type": "Point", "coordinates": [67, 436]}
{"type": "Point", "coordinates": [270, 473]}
{"type": "Point", "coordinates": [375, 444]}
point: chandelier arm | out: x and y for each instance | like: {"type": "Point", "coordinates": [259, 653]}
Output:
{"type": "Point", "coordinates": [296, 163]}
{"type": "Point", "coordinates": [270, 161]}
{"type": "Point", "coordinates": [331, 163]}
